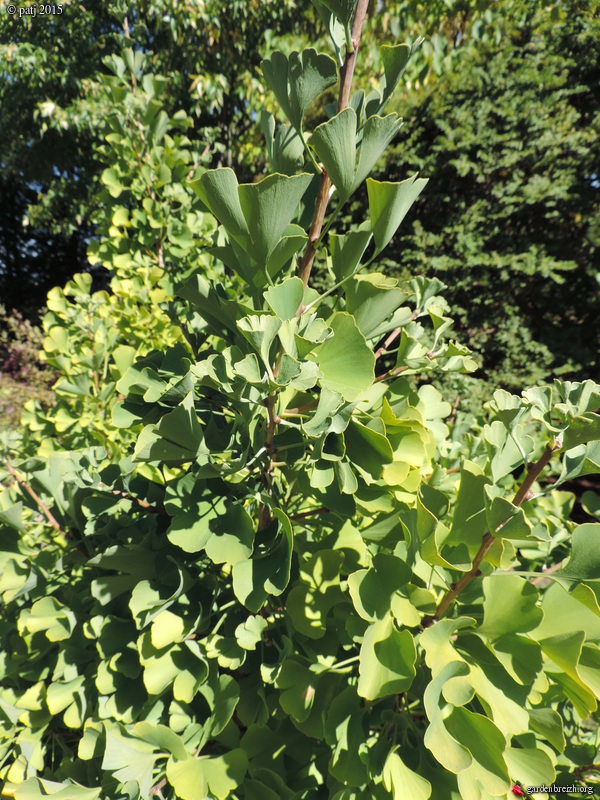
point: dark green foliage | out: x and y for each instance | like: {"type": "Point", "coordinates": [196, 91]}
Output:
{"type": "Point", "coordinates": [509, 141]}
{"type": "Point", "coordinates": [53, 120]}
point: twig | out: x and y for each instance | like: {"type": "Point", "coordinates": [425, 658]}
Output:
{"type": "Point", "coordinates": [40, 503]}
{"type": "Point", "coordinates": [141, 503]}
{"type": "Point", "coordinates": [452, 416]}
{"type": "Point", "coordinates": [533, 472]}
{"type": "Point", "coordinates": [158, 786]}
{"type": "Point", "coordinates": [44, 508]}
{"type": "Point", "coordinates": [305, 266]}
{"type": "Point", "coordinates": [580, 771]}
{"type": "Point", "coordinates": [394, 335]}
{"type": "Point", "coordinates": [301, 409]}
{"type": "Point", "coordinates": [322, 201]}
{"type": "Point", "coordinates": [549, 571]}
{"type": "Point", "coordinates": [311, 513]}
{"type": "Point", "coordinates": [391, 373]}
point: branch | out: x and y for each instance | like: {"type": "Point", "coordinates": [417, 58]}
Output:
{"type": "Point", "coordinates": [305, 266]}
{"type": "Point", "coordinates": [542, 578]}
{"type": "Point", "coordinates": [346, 75]}
{"type": "Point", "coordinates": [533, 472]}
{"type": "Point", "coordinates": [390, 373]}
{"type": "Point", "coordinates": [141, 503]}
{"type": "Point", "coordinates": [40, 503]}
{"type": "Point", "coordinates": [43, 508]}
{"type": "Point", "coordinates": [311, 513]}
{"type": "Point", "coordinates": [452, 416]}
{"type": "Point", "coordinates": [394, 335]}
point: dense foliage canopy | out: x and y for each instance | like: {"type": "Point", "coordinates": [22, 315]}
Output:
{"type": "Point", "coordinates": [248, 549]}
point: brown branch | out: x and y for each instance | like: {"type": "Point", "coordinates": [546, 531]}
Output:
{"type": "Point", "coordinates": [541, 578]}
{"type": "Point", "coordinates": [390, 373]}
{"type": "Point", "coordinates": [579, 772]}
{"type": "Point", "coordinates": [43, 507]}
{"type": "Point", "coordinates": [452, 416]}
{"type": "Point", "coordinates": [533, 472]}
{"type": "Point", "coordinates": [346, 75]}
{"type": "Point", "coordinates": [158, 786]}
{"type": "Point", "coordinates": [306, 263]}
{"type": "Point", "coordinates": [394, 335]}
{"type": "Point", "coordinates": [40, 503]}
{"type": "Point", "coordinates": [301, 409]}
{"type": "Point", "coordinates": [141, 503]}
{"type": "Point", "coordinates": [311, 513]}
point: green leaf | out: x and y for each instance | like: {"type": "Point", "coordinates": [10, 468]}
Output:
{"type": "Point", "coordinates": [162, 737]}
{"type": "Point", "coordinates": [368, 449]}
{"type": "Point", "coordinates": [485, 743]}
{"type": "Point", "coordinates": [334, 142]}
{"type": "Point", "coordinates": [299, 80]}
{"type": "Point", "coordinates": [530, 767]}
{"type": "Point", "coordinates": [225, 773]}
{"type": "Point", "coordinates": [394, 58]}
{"type": "Point", "coordinates": [50, 616]}
{"type": "Point", "coordinates": [504, 519]}
{"type": "Point", "coordinates": [581, 430]}
{"type": "Point", "coordinates": [285, 298]}
{"type": "Point", "coordinates": [260, 332]}
{"type": "Point", "coordinates": [167, 628]}
{"type": "Point", "coordinates": [347, 251]}
{"type": "Point", "coordinates": [284, 147]}
{"type": "Point", "coordinates": [233, 536]}
{"type": "Point", "coordinates": [389, 203]}
{"type": "Point", "coordinates": [212, 304]}
{"type": "Point", "coordinates": [256, 578]}
{"type": "Point", "coordinates": [218, 190]}
{"type": "Point", "coordinates": [269, 206]}
{"type": "Point", "coordinates": [509, 606]}
{"type": "Point", "coordinates": [60, 695]}
{"type": "Point", "coordinates": [37, 789]}
{"type": "Point", "coordinates": [250, 632]}
{"type": "Point", "coordinates": [548, 723]}
{"type": "Point", "coordinates": [469, 521]}
{"type": "Point", "coordinates": [387, 660]}
{"type": "Point", "coordinates": [188, 778]}
{"type": "Point", "coordinates": [194, 778]}
{"type": "Point", "coordinates": [346, 362]}
{"type": "Point", "coordinates": [311, 599]}
{"type": "Point", "coordinates": [129, 759]}
{"type": "Point", "coordinates": [372, 299]}
{"type": "Point", "coordinates": [377, 135]}
{"type": "Point", "coordinates": [342, 9]}
{"type": "Point", "coordinates": [584, 563]}
{"type": "Point", "coordinates": [590, 503]}
{"type": "Point", "coordinates": [177, 438]}
{"type": "Point", "coordinates": [402, 782]}
{"type": "Point", "coordinates": [256, 216]}
{"type": "Point", "coordinates": [222, 694]}
{"type": "Point", "coordinates": [297, 685]}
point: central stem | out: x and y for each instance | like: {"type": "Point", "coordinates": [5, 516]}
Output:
{"type": "Point", "coordinates": [314, 234]}
{"type": "Point", "coordinates": [346, 75]}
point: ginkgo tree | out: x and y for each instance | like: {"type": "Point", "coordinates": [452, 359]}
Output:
{"type": "Point", "coordinates": [297, 582]}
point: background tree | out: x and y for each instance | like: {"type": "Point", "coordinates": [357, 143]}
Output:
{"type": "Point", "coordinates": [509, 140]}
{"type": "Point", "coordinates": [52, 121]}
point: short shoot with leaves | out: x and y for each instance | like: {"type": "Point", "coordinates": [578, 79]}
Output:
{"type": "Point", "coordinates": [298, 583]}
